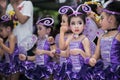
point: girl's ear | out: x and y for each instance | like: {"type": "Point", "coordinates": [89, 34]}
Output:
{"type": "Point", "coordinates": [110, 19]}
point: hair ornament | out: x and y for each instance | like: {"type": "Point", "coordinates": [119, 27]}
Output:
{"type": "Point", "coordinates": [111, 12]}
{"type": "Point", "coordinates": [46, 21]}
{"type": "Point", "coordinates": [85, 7]}
{"type": "Point", "coordinates": [65, 9]}
{"type": "Point", "coordinates": [5, 18]}
{"type": "Point", "coordinates": [92, 2]}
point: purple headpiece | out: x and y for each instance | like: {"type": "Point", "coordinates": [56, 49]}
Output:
{"type": "Point", "coordinates": [84, 7]}
{"type": "Point", "coordinates": [111, 12]}
{"type": "Point", "coordinates": [46, 21]}
{"type": "Point", "coordinates": [4, 18]}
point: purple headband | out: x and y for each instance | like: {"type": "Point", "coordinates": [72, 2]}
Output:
{"type": "Point", "coordinates": [5, 18]}
{"type": "Point", "coordinates": [111, 12]}
{"type": "Point", "coordinates": [64, 9]}
{"type": "Point", "coordinates": [46, 21]}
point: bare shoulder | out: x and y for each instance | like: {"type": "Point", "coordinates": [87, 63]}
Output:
{"type": "Point", "coordinates": [118, 36]}
{"type": "Point", "coordinates": [12, 38]}
{"type": "Point", "coordinates": [85, 38]}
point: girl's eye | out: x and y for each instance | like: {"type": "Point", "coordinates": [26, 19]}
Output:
{"type": "Point", "coordinates": [72, 23]}
{"type": "Point", "coordinates": [80, 22]}
{"type": "Point", "coordinates": [40, 28]}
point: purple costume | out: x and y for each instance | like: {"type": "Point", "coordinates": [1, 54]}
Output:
{"type": "Point", "coordinates": [108, 68]}
{"type": "Point", "coordinates": [59, 68]}
{"type": "Point", "coordinates": [73, 68]}
{"type": "Point", "coordinates": [44, 65]}
{"type": "Point", "coordinates": [9, 65]}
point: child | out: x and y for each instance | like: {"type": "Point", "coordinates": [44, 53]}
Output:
{"type": "Point", "coordinates": [42, 52]}
{"type": "Point", "coordinates": [8, 50]}
{"type": "Point", "coordinates": [78, 46]}
{"type": "Point", "coordinates": [108, 46]}
{"type": "Point", "coordinates": [61, 38]}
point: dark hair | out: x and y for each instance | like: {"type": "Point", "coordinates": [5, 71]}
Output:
{"type": "Point", "coordinates": [51, 26]}
{"type": "Point", "coordinates": [82, 16]}
{"type": "Point", "coordinates": [7, 23]}
{"type": "Point", "coordinates": [114, 6]}
{"type": "Point", "coordinates": [93, 7]}
{"type": "Point", "coordinates": [59, 18]}
{"type": "Point", "coordinates": [1, 10]}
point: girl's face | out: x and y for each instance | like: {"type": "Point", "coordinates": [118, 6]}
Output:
{"type": "Point", "coordinates": [104, 21]}
{"type": "Point", "coordinates": [4, 32]}
{"type": "Point", "coordinates": [64, 20]}
{"type": "Point", "coordinates": [41, 30]}
{"type": "Point", "coordinates": [77, 25]}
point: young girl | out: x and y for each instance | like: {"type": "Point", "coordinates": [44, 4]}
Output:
{"type": "Point", "coordinates": [108, 46]}
{"type": "Point", "coordinates": [43, 55]}
{"type": "Point", "coordinates": [61, 38]}
{"type": "Point", "coordinates": [78, 47]}
{"type": "Point", "coordinates": [8, 50]}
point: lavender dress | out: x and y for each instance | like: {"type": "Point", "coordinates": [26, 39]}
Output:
{"type": "Point", "coordinates": [44, 66]}
{"type": "Point", "coordinates": [108, 68]}
{"type": "Point", "coordinates": [77, 61]}
{"type": "Point", "coordinates": [10, 63]}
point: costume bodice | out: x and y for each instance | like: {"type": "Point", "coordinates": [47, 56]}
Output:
{"type": "Point", "coordinates": [76, 60]}
{"type": "Point", "coordinates": [105, 46]}
{"type": "Point", "coordinates": [42, 44]}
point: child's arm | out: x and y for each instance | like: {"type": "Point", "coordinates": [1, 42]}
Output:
{"type": "Point", "coordinates": [23, 57]}
{"type": "Point", "coordinates": [77, 51]}
{"type": "Point", "coordinates": [86, 45]}
{"type": "Point", "coordinates": [96, 56]}
{"type": "Point", "coordinates": [41, 52]}
{"type": "Point", "coordinates": [10, 49]}
{"type": "Point", "coordinates": [63, 29]}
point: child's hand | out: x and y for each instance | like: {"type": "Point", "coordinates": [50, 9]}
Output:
{"type": "Point", "coordinates": [22, 57]}
{"type": "Point", "coordinates": [92, 14]}
{"type": "Point", "coordinates": [51, 40]}
{"type": "Point", "coordinates": [92, 61]}
{"type": "Point", "coordinates": [63, 29]}
{"type": "Point", "coordinates": [52, 53]}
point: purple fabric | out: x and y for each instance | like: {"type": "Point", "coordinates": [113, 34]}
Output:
{"type": "Point", "coordinates": [57, 40]}
{"type": "Point", "coordinates": [44, 65]}
{"type": "Point", "coordinates": [105, 50]}
{"type": "Point", "coordinates": [109, 67]}
{"type": "Point", "coordinates": [76, 60]}
{"type": "Point", "coordinates": [115, 52]}
{"type": "Point", "coordinates": [10, 64]}
{"type": "Point", "coordinates": [43, 44]}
